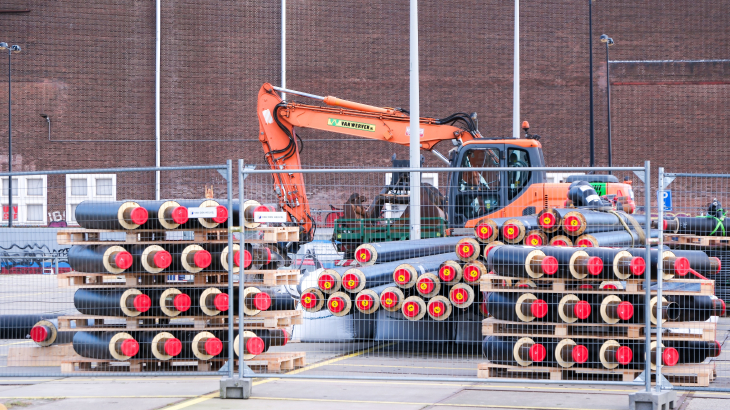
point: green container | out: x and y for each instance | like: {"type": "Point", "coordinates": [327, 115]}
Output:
{"type": "Point", "coordinates": [384, 230]}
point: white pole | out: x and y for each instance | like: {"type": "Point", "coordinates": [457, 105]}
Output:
{"type": "Point", "coordinates": [415, 143]}
{"type": "Point", "coordinates": [283, 47]}
{"type": "Point", "coordinates": [516, 76]}
{"type": "Point", "coordinates": [158, 34]}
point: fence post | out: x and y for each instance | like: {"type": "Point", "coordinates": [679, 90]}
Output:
{"type": "Point", "coordinates": [660, 250]}
{"type": "Point", "coordinates": [647, 278]}
{"type": "Point", "coordinates": [241, 277]}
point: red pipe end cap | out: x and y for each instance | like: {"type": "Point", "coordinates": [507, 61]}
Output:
{"type": "Point", "coordinates": [139, 216]}
{"type": "Point", "coordinates": [389, 299]}
{"type": "Point", "coordinates": [664, 225]}
{"type": "Point", "coordinates": [180, 215]}
{"type": "Point", "coordinates": [582, 309]}
{"type": "Point", "coordinates": [437, 309]}
{"type": "Point", "coordinates": [123, 260]}
{"type": "Point", "coordinates": [130, 347]}
{"type": "Point", "coordinates": [595, 265]}
{"type": "Point", "coordinates": [262, 301]}
{"type": "Point", "coordinates": [336, 305]}
{"type": "Point", "coordinates": [534, 240]}
{"type": "Point", "coordinates": [237, 258]}
{"type": "Point", "coordinates": [624, 355]}
{"type": "Point", "coordinates": [560, 242]}
{"type": "Point", "coordinates": [510, 231]}
{"type": "Point", "coordinates": [173, 347]}
{"type": "Point", "coordinates": [447, 273]}
{"type": "Point", "coordinates": [585, 286]}
{"type": "Point", "coordinates": [487, 250]}
{"type": "Point", "coordinates": [716, 349]}
{"type": "Point", "coordinates": [625, 310]}
{"type": "Point", "coordinates": [411, 309]}
{"type": "Point", "coordinates": [458, 296]}
{"type": "Point", "coordinates": [182, 302]}
{"type": "Point", "coordinates": [326, 282]}
{"type": "Point", "coordinates": [221, 214]}
{"type": "Point", "coordinates": [202, 259]}
{"type": "Point", "coordinates": [220, 301]}
{"type": "Point", "coordinates": [162, 259]}
{"type": "Point", "coordinates": [610, 286]}
{"type": "Point", "coordinates": [484, 231]}
{"type": "Point", "coordinates": [213, 346]}
{"type": "Point", "coordinates": [402, 276]}
{"type": "Point", "coordinates": [537, 352]}
{"type": "Point", "coordinates": [142, 303]}
{"type": "Point", "coordinates": [539, 308]}
{"type": "Point", "coordinates": [670, 356]}
{"type": "Point", "coordinates": [39, 334]}
{"type": "Point", "coordinates": [719, 264]}
{"type": "Point", "coordinates": [572, 223]}
{"type": "Point", "coordinates": [286, 337]}
{"type": "Point", "coordinates": [471, 274]}
{"type": "Point", "coordinates": [580, 354]}
{"type": "Point", "coordinates": [363, 255]}
{"type": "Point", "coordinates": [547, 220]}
{"type": "Point", "coordinates": [350, 281]}
{"type": "Point", "coordinates": [425, 285]}
{"type": "Point", "coordinates": [309, 300]}
{"type": "Point", "coordinates": [465, 249]}
{"type": "Point", "coordinates": [549, 265]}
{"type": "Point", "coordinates": [637, 266]}
{"type": "Point", "coordinates": [585, 243]}
{"type": "Point", "coordinates": [364, 302]}
{"type": "Point", "coordinates": [483, 308]}
{"type": "Point", "coordinates": [721, 302]}
{"type": "Point", "coordinates": [681, 266]}
{"type": "Point", "coordinates": [255, 346]}
{"type": "Point", "coordinates": [247, 259]}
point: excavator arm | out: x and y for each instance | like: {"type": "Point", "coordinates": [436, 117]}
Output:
{"type": "Point", "coordinates": [278, 120]}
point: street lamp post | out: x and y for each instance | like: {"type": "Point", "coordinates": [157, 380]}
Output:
{"type": "Point", "coordinates": [590, 62]}
{"type": "Point", "coordinates": [11, 49]}
{"type": "Point", "coordinates": [609, 42]}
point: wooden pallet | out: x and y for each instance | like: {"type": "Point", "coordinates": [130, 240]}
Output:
{"type": "Point", "coordinates": [36, 356]}
{"type": "Point", "coordinates": [139, 236]}
{"type": "Point", "coordinates": [264, 320]}
{"type": "Point", "coordinates": [269, 362]}
{"type": "Point", "coordinates": [267, 234]}
{"type": "Point", "coordinates": [492, 326]}
{"type": "Point", "coordinates": [495, 283]}
{"type": "Point", "coordinates": [698, 241]}
{"type": "Point", "coordinates": [697, 375]}
{"type": "Point", "coordinates": [265, 278]}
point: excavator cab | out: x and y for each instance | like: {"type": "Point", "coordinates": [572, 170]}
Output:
{"type": "Point", "coordinates": [476, 194]}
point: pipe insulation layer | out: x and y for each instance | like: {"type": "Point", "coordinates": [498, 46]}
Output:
{"type": "Point", "coordinates": [20, 326]}
{"type": "Point", "coordinates": [218, 220]}
{"type": "Point", "coordinates": [189, 258]}
{"type": "Point", "coordinates": [514, 230]}
{"type": "Point", "coordinates": [357, 279]}
{"type": "Point", "coordinates": [372, 253]}
{"type": "Point", "coordinates": [613, 239]}
{"type": "Point", "coordinates": [45, 333]}
{"type": "Point", "coordinates": [410, 271]}
{"type": "Point", "coordinates": [149, 258]}
{"type": "Point", "coordinates": [488, 230]}
{"type": "Point", "coordinates": [583, 221]}
{"type": "Point", "coordinates": [367, 301]}
{"type": "Point", "coordinates": [116, 215]}
{"type": "Point", "coordinates": [106, 345]}
{"type": "Point", "coordinates": [701, 226]}
{"type": "Point", "coordinates": [513, 350]}
{"type": "Point", "coordinates": [112, 302]}
{"type": "Point", "coordinates": [99, 258]}
{"type": "Point", "coordinates": [521, 262]}
{"type": "Point", "coordinates": [617, 263]}
{"type": "Point", "coordinates": [164, 214]}
{"type": "Point", "coordinates": [550, 220]}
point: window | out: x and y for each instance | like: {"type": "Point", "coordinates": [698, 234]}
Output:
{"type": "Point", "coordinates": [518, 180]}
{"type": "Point", "coordinates": [80, 187]}
{"type": "Point", "coordinates": [29, 200]}
{"type": "Point", "coordinates": [479, 190]}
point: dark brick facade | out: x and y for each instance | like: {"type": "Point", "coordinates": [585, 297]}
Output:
{"type": "Point", "coordinates": [90, 66]}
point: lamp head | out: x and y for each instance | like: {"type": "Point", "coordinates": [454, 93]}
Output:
{"type": "Point", "coordinates": [610, 41]}
{"type": "Point", "coordinates": [3, 46]}
{"type": "Point", "coordinates": [15, 49]}
{"type": "Point", "coordinates": [604, 38]}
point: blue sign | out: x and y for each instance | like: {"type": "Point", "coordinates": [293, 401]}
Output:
{"type": "Point", "coordinates": [667, 200]}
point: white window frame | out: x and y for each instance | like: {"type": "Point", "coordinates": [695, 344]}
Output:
{"type": "Point", "coordinates": [22, 200]}
{"type": "Point", "coordinates": [90, 192]}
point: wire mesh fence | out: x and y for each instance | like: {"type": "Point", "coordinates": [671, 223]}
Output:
{"type": "Point", "coordinates": [693, 223]}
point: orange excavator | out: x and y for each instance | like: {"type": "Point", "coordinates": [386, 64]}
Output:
{"type": "Point", "coordinates": [472, 195]}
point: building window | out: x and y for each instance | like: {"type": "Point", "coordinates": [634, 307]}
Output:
{"type": "Point", "coordinates": [80, 187]}
{"type": "Point", "coordinates": [30, 200]}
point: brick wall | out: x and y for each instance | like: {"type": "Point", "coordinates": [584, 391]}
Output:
{"type": "Point", "coordinates": [90, 66]}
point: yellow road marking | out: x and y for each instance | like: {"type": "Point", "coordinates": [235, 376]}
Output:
{"type": "Point", "coordinates": [194, 401]}
{"type": "Point", "coordinates": [95, 397]}
{"type": "Point", "coordinates": [405, 367]}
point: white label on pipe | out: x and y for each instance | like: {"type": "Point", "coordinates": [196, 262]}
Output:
{"type": "Point", "coordinates": [592, 198]}
{"type": "Point", "coordinates": [205, 212]}
{"type": "Point", "coordinates": [265, 217]}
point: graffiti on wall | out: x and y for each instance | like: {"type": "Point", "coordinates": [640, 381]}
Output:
{"type": "Point", "coordinates": [32, 259]}
{"type": "Point", "coordinates": [57, 219]}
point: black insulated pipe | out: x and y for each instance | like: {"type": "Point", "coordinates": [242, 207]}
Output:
{"type": "Point", "coordinates": [106, 345]}
{"type": "Point", "coordinates": [99, 258]}
{"type": "Point", "coordinates": [112, 215]}
{"type": "Point", "coordinates": [372, 253]}
{"type": "Point", "coordinates": [166, 214]}
{"type": "Point", "coordinates": [112, 302]}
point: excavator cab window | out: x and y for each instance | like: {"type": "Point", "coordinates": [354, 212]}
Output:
{"type": "Point", "coordinates": [479, 190]}
{"type": "Point", "coordinates": [518, 180]}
